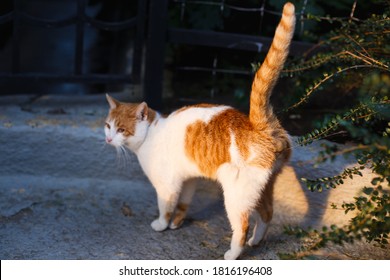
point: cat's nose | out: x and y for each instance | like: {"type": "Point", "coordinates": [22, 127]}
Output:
{"type": "Point", "coordinates": [108, 139]}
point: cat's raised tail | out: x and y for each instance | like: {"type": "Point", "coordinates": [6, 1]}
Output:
{"type": "Point", "coordinates": [267, 75]}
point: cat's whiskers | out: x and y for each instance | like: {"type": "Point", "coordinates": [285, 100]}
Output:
{"type": "Point", "coordinates": [103, 145]}
{"type": "Point", "coordinates": [123, 156]}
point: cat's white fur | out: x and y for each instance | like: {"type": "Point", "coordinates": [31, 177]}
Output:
{"type": "Point", "coordinates": [159, 147]}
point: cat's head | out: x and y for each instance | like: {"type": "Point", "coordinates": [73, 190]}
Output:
{"type": "Point", "coordinates": [127, 123]}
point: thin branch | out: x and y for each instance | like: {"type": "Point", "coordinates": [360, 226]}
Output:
{"type": "Point", "coordinates": [356, 42]}
{"type": "Point", "coordinates": [352, 149]}
{"type": "Point", "coordinates": [353, 11]}
{"type": "Point", "coordinates": [367, 59]}
{"type": "Point", "coordinates": [316, 86]}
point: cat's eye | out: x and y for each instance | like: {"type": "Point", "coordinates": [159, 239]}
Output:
{"type": "Point", "coordinates": [108, 125]}
{"type": "Point", "coordinates": [120, 130]}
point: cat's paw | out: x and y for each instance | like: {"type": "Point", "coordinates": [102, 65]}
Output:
{"type": "Point", "coordinates": [231, 254]}
{"type": "Point", "coordinates": [259, 234]}
{"type": "Point", "coordinates": [253, 242]}
{"type": "Point", "coordinates": [157, 225]}
{"type": "Point", "coordinates": [173, 225]}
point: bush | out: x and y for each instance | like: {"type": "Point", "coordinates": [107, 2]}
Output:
{"type": "Point", "coordinates": [354, 58]}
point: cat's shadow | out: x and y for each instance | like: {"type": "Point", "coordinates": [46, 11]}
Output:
{"type": "Point", "coordinates": [208, 204]}
{"type": "Point", "coordinates": [294, 204]}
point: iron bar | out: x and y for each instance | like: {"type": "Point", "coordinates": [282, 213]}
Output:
{"type": "Point", "coordinates": [79, 40]}
{"type": "Point", "coordinates": [155, 53]}
{"type": "Point", "coordinates": [229, 40]}
{"type": "Point", "coordinates": [139, 41]}
{"type": "Point", "coordinates": [82, 78]}
{"type": "Point", "coordinates": [16, 38]}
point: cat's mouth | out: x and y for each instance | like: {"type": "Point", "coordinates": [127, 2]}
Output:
{"type": "Point", "coordinates": [110, 141]}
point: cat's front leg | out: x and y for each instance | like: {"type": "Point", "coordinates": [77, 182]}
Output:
{"type": "Point", "coordinates": [166, 206]}
{"type": "Point", "coordinates": [185, 199]}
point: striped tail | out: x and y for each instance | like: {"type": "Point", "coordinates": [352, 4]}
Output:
{"type": "Point", "coordinates": [267, 75]}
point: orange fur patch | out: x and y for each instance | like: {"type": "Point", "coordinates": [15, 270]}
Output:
{"type": "Point", "coordinates": [125, 117]}
{"type": "Point", "coordinates": [265, 205]}
{"type": "Point", "coordinates": [244, 228]}
{"type": "Point", "coordinates": [208, 144]}
{"type": "Point", "coordinates": [180, 214]}
{"type": "Point", "coordinates": [168, 216]}
{"type": "Point", "coordinates": [151, 115]}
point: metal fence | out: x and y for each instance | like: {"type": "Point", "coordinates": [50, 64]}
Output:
{"type": "Point", "coordinates": [160, 33]}
{"type": "Point", "coordinates": [19, 18]}
{"type": "Point", "coordinates": [151, 14]}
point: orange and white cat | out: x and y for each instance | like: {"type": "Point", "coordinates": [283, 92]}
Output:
{"type": "Point", "coordinates": [244, 154]}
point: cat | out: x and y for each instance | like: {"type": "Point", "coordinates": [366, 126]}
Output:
{"type": "Point", "coordinates": [244, 154]}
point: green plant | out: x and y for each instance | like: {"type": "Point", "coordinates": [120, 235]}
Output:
{"type": "Point", "coordinates": [355, 58]}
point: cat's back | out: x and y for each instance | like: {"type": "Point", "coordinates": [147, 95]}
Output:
{"type": "Point", "coordinates": [211, 135]}
{"type": "Point", "coordinates": [199, 112]}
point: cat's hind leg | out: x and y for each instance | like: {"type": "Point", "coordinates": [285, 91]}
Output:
{"type": "Point", "coordinates": [239, 222]}
{"type": "Point", "coordinates": [260, 230]}
{"type": "Point", "coordinates": [185, 199]}
{"type": "Point", "coordinates": [263, 213]}
{"type": "Point", "coordinates": [242, 188]}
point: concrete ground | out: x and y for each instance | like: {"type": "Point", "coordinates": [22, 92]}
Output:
{"type": "Point", "coordinates": [64, 194]}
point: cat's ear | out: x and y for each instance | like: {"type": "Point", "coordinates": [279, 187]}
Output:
{"type": "Point", "coordinates": [112, 102]}
{"type": "Point", "coordinates": [142, 111]}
